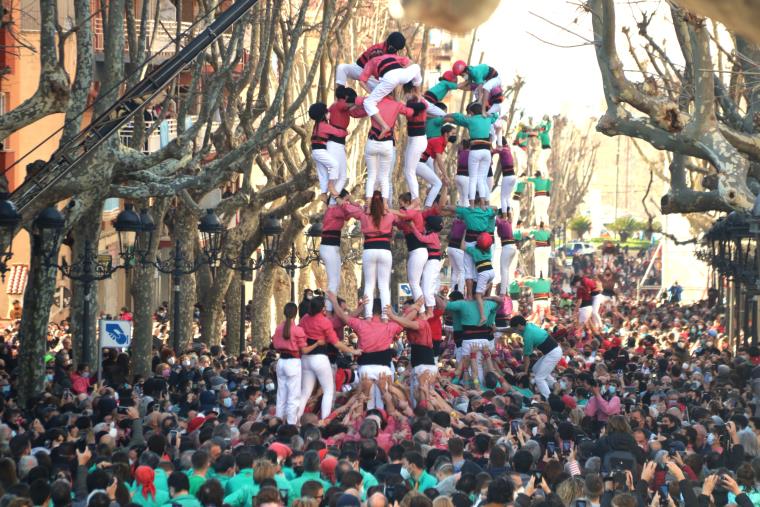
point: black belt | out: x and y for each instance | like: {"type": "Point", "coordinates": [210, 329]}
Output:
{"type": "Point", "coordinates": [331, 238]}
{"type": "Point", "coordinates": [377, 242]}
{"type": "Point", "coordinates": [610, 293]}
{"type": "Point", "coordinates": [484, 266]}
{"type": "Point", "coordinates": [501, 321]}
{"type": "Point", "coordinates": [288, 355]}
{"type": "Point", "coordinates": [321, 349]}
{"type": "Point", "coordinates": [336, 139]}
{"type": "Point", "coordinates": [480, 144]}
{"type": "Point", "coordinates": [508, 171]}
{"type": "Point", "coordinates": [455, 243]}
{"type": "Point", "coordinates": [413, 243]}
{"type": "Point", "coordinates": [547, 346]}
{"type": "Point", "coordinates": [507, 241]}
{"type": "Point", "coordinates": [318, 146]}
{"type": "Point", "coordinates": [380, 358]}
{"type": "Point", "coordinates": [421, 355]}
{"type": "Point", "coordinates": [430, 97]}
{"type": "Point", "coordinates": [458, 338]}
{"type": "Point", "coordinates": [476, 333]}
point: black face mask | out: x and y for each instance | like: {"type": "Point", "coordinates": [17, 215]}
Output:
{"type": "Point", "coordinates": [298, 469]}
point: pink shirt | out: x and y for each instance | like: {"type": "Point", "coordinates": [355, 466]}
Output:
{"type": "Point", "coordinates": [416, 217]}
{"type": "Point", "coordinates": [374, 334]}
{"type": "Point", "coordinates": [368, 224]}
{"type": "Point", "coordinates": [373, 67]}
{"type": "Point", "coordinates": [422, 336]}
{"type": "Point", "coordinates": [322, 131]}
{"type": "Point", "coordinates": [319, 327]}
{"type": "Point", "coordinates": [335, 217]}
{"type": "Point", "coordinates": [339, 115]}
{"type": "Point", "coordinates": [296, 342]}
{"type": "Point", "coordinates": [602, 409]}
{"type": "Point", "coordinates": [431, 240]}
{"type": "Point", "coordinates": [388, 108]}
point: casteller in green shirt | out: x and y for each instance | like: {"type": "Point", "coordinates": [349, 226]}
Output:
{"type": "Point", "coordinates": [478, 74]}
{"type": "Point", "coordinates": [441, 89]}
{"type": "Point", "coordinates": [469, 315]}
{"type": "Point", "coordinates": [477, 219]}
{"type": "Point", "coordinates": [539, 286]}
{"type": "Point", "coordinates": [433, 126]}
{"type": "Point", "coordinates": [478, 125]}
{"type": "Point", "coordinates": [541, 235]}
{"type": "Point", "coordinates": [183, 500]}
{"type": "Point", "coordinates": [533, 336]}
{"type": "Point", "coordinates": [541, 184]}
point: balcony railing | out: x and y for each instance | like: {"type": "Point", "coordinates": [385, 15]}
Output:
{"type": "Point", "coordinates": [163, 134]}
{"type": "Point", "coordinates": [160, 42]}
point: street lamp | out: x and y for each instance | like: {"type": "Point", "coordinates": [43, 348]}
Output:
{"type": "Point", "coordinates": [293, 261]}
{"type": "Point", "coordinates": [210, 229]}
{"type": "Point", "coordinates": [88, 268]}
{"type": "Point", "coordinates": [9, 220]}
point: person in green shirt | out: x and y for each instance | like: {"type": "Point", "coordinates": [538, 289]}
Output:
{"type": "Point", "coordinates": [201, 462]}
{"type": "Point", "coordinates": [438, 91]}
{"type": "Point", "coordinates": [541, 289]}
{"type": "Point", "coordinates": [481, 257]}
{"type": "Point", "coordinates": [544, 129]}
{"type": "Point", "coordinates": [474, 336]}
{"type": "Point", "coordinates": [413, 470]}
{"type": "Point", "coordinates": [310, 473]}
{"type": "Point", "coordinates": [478, 125]}
{"type": "Point", "coordinates": [483, 77]}
{"type": "Point", "coordinates": [541, 188]}
{"type": "Point", "coordinates": [535, 337]}
{"type": "Point", "coordinates": [144, 492]}
{"type": "Point", "coordinates": [179, 486]}
{"type": "Point", "coordinates": [244, 477]}
{"type": "Point", "coordinates": [542, 242]}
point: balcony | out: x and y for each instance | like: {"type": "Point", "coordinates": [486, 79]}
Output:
{"type": "Point", "coordinates": [163, 134]}
{"type": "Point", "coordinates": [160, 35]}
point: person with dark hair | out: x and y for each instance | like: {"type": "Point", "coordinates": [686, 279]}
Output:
{"type": "Point", "coordinates": [334, 219]}
{"type": "Point", "coordinates": [289, 340]}
{"type": "Point", "coordinates": [394, 43]}
{"type": "Point", "coordinates": [414, 472]}
{"type": "Point", "coordinates": [339, 114]}
{"type": "Point", "coordinates": [536, 338]}
{"type": "Point", "coordinates": [200, 462]}
{"type": "Point", "coordinates": [179, 486]}
{"type": "Point", "coordinates": [315, 363]}
{"type": "Point", "coordinates": [39, 492]}
{"type": "Point", "coordinates": [211, 494]}
{"type": "Point", "coordinates": [327, 165]}
{"type": "Point", "coordinates": [244, 476]}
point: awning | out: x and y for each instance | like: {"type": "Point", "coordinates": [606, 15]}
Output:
{"type": "Point", "coordinates": [16, 279]}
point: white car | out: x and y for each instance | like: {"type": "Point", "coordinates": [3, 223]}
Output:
{"type": "Point", "coordinates": [578, 247]}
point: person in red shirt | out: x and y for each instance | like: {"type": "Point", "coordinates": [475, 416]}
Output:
{"type": "Point", "coordinates": [377, 260]}
{"type": "Point", "coordinates": [315, 364]}
{"type": "Point", "coordinates": [329, 249]}
{"type": "Point", "coordinates": [290, 341]}
{"type": "Point", "coordinates": [420, 339]}
{"type": "Point", "coordinates": [345, 71]}
{"type": "Point", "coordinates": [391, 71]}
{"type": "Point", "coordinates": [379, 151]}
{"type": "Point", "coordinates": [327, 165]}
{"type": "Point", "coordinates": [431, 273]}
{"type": "Point", "coordinates": [375, 337]}
{"type": "Point", "coordinates": [431, 166]}
{"type": "Point", "coordinates": [584, 286]}
{"type": "Point", "coordinates": [340, 117]}
{"type": "Point", "coordinates": [436, 328]}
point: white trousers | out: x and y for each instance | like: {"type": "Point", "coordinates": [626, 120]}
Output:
{"type": "Point", "coordinates": [327, 168]}
{"type": "Point", "coordinates": [379, 158]}
{"type": "Point", "coordinates": [373, 372]}
{"type": "Point", "coordinates": [338, 152]}
{"type": "Point", "coordinates": [542, 371]}
{"type": "Point", "coordinates": [330, 256]}
{"type": "Point", "coordinates": [431, 281]}
{"type": "Point", "coordinates": [470, 271]}
{"type": "Point", "coordinates": [520, 158]}
{"type": "Point", "coordinates": [389, 82]}
{"type": "Point", "coordinates": [428, 174]}
{"type": "Point", "coordinates": [415, 146]}
{"type": "Point", "coordinates": [508, 254]}
{"type": "Point", "coordinates": [346, 71]}
{"type": "Point", "coordinates": [543, 161]}
{"type": "Point", "coordinates": [541, 261]}
{"type": "Point", "coordinates": [456, 260]}
{"type": "Point", "coordinates": [507, 186]}
{"type": "Point", "coordinates": [515, 206]}
{"type": "Point", "coordinates": [288, 389]}
{"type": "Point", "coordinates": [470, 345]}
{"type": "Point", "coordinates": [596, 303]}
{"type": "Point", "coordinates": [495, 132]}
{"type": "Point", "coordinates": [491, 84]}
{"type": "Point", "coordinates": [541, 209]}
{"type": "Point", "coordinates": [463, 190]}
{"type": "Point", "coordinates": [415, 265]}
{"type": "Point", "coordinates": [478, 163]}
{"type": "Point", "coordinates": [584, 314]}
{"type": "Point", "coordinates": [376, 264]}
{"type": "Point", "coordinates": [484, 278]}
{"type": "Point", "coordinates": [316, 368]}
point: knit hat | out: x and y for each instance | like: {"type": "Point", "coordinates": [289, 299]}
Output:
{"type": "Point", "coordinates": [317, 111]}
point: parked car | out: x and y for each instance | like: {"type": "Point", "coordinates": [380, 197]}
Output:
{"type": "Point", "coordinates": [578, 247]}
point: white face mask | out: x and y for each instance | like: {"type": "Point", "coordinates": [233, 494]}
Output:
{"type": "Point", "coordinates": [405, 474]}
{"type": "Point", "coordinates": [270, 386]}
{"type": "Point", "coordinates": [171, 360]}
{"type": "Point", "coordinates": [401, 369]}
{"type": "Point", "coordinates": [186, 364]}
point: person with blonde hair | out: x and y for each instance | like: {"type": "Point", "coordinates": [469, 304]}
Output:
{"type": "Point", "coordinates": [570, 490]}
{"type": "Point", "coordinates": [443, 501]}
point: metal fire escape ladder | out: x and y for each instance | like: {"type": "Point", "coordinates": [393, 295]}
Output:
{"type": "Point", "coordinates": [78, 149]}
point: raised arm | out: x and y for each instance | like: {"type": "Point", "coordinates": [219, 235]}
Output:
{"type": "Point", "coordinates": [402, 321]}
{"type": "Point", "coordinates": [337, 310]}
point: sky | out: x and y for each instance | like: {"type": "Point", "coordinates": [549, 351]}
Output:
{"type": "Point", "coordinates": [558, 80]}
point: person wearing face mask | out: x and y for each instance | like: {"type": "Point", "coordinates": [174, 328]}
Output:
{"type": "Point", "coordinates": [413, 471]}
{"type": "Point", "coordinates": [80, 380]}
{"type": "Point", "coordinates": [603, 404]}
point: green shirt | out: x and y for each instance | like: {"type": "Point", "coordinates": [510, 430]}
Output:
{"type": "Point", "coordinates": [297, 483]}
{"type": "Point", "coordinates": [241, 479]}
{"type": "Point", "coordinates": [478, 73]}
{"type": "Point", "coordinates": [541, 235]}
{"type": "Point", "coordinates": [478, 125]}
{"type": "Point", "coordinates": [544, 128]}
{"type": "Point", "coordinates": [539, 286]}
{"type": "Point", "coordinates": [424, 482]}
{"type": "Point", "coordinates": [243, 496]}
{"type": "Point", "coordinates": [519, 187]}
{"type": "Point", "coordinates": [514, 290]}
{"type": "Point", "coordinates": [468, 312]}
{"type": "Point", "coordinates": [533, 336]}
{"type": "Point", "coordinates": [517, 235]}
{"type": "Point", "coordinates": [478, 255]}
{"type": "Point", "coordinates": [183, 500]}
{"type": "Point", "coordinates": [477, 219]}
{"type": "Point", "coordinates": [442, 88]}
{"type": "Point", "coordinates": [196, 481]}
{"type": "Point", "coordinates": [522, 138]}
{"type": "Point", "coordinates": [433, 126]}
{"type": "Point", "coordinates": [541, 184]}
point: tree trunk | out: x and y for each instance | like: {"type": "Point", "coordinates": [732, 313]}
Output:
{"type": "Point", "coordinates": [232, 313]}
{"type": "Point", "coordinates": [185, 231]}
{"type": "Point", "coordinates": [38, 299]}
{"type": "Point", "coordinates": [261, 310]}
{"type": "Point", "coordinates": [86, 230]}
